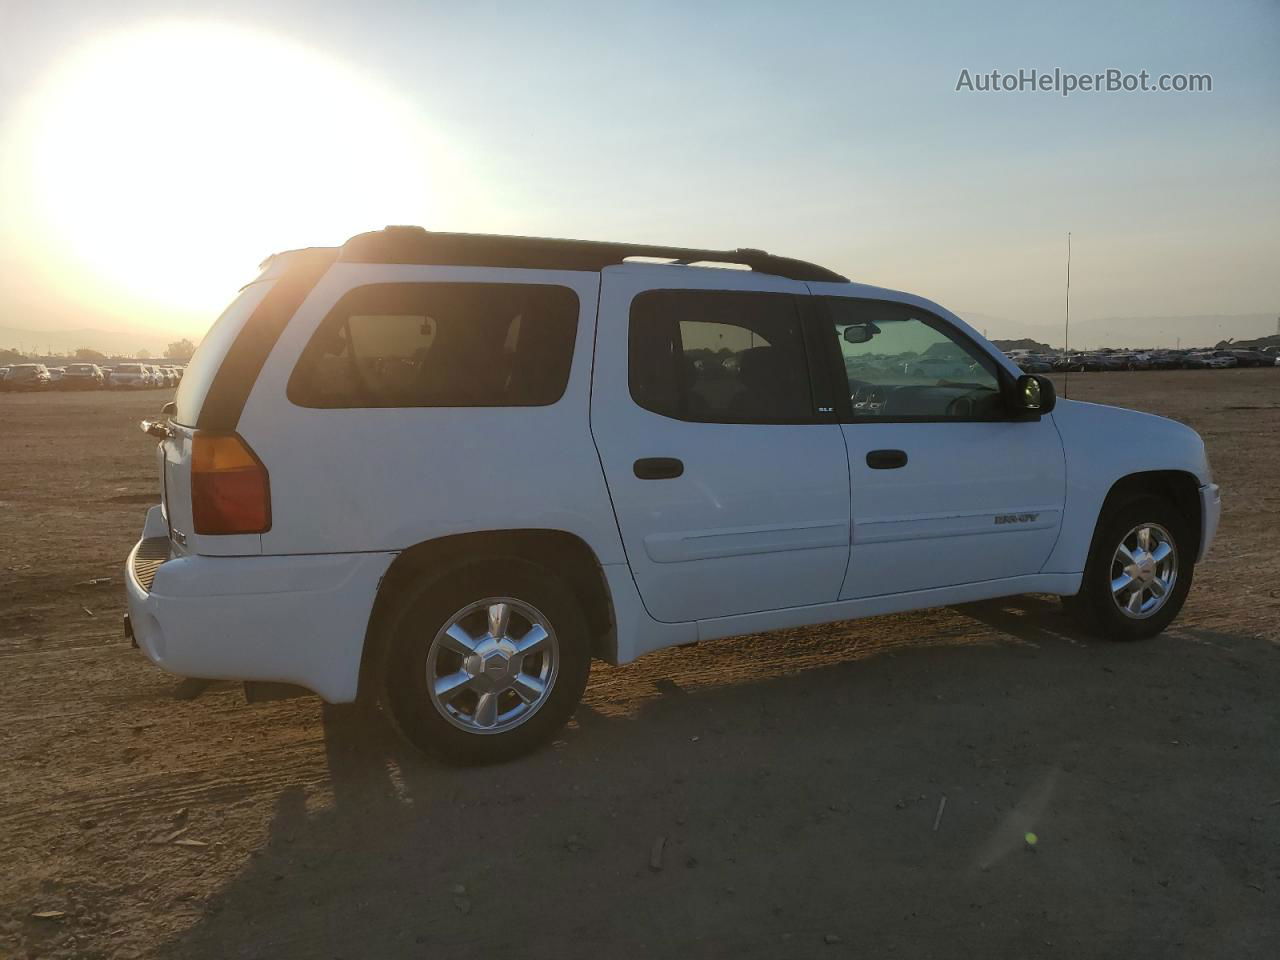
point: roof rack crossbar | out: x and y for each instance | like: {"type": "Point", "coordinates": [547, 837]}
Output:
{"type": "Point", "coordinates": [416, 245]}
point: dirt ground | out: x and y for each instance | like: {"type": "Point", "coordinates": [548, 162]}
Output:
{"type": "Point", "coordinates": [796, 780]}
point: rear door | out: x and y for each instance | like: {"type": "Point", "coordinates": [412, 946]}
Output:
{"type": "Point", "coordinates": [730, 485]}
{"type": "Point", "coordinates": [947, 488]}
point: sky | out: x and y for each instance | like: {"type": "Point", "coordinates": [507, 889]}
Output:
{"type": "Point", "coordinates": [151, 154]}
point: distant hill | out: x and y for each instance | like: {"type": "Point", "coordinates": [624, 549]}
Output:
{"type": "Point", "coordinates": [1035, 346]}
{"type": "Point", "coordinates": [110, 342]}
{"type": "Point", "coordinates": [1271, 341]}
{"type": "Point", "coordinates": [1090, 333]}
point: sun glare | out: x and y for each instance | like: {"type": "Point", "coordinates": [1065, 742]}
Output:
{"type": "Point", "coordinates": [165, 162]}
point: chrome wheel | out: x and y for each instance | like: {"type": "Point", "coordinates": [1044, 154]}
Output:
{"type": "Point", "coordinates": [493, 665]}
{"type": "Point", "coordinates": [1144, 570]}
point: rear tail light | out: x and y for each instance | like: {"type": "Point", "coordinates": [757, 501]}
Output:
{"type": "Point", "coordinates": [230, 490]}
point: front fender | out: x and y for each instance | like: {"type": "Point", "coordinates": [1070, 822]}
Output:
{"type": "Point", "coordinates": [1103, 445]}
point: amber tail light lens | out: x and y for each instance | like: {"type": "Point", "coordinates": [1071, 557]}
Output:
{"type": "Point", "coordinates": [230, 490]}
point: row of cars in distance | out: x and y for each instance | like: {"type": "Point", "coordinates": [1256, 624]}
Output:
{"type": "Point", "coordinates": [89, 376]}
{"type": "Point", "coordinates": [1102, 360]}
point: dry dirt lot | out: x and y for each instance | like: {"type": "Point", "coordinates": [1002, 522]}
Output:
{"type": "Point", "coordinates": [795, 778]}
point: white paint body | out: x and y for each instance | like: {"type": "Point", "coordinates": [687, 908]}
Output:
{"type": "Point", "coordinates": [770, 526]}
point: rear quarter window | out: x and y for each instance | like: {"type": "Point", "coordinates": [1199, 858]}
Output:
{"type": "Point", "coordinates": [440, 345]}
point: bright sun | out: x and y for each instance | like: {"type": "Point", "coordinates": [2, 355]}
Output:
{"type": "Point", "coordinates": [165, 162]}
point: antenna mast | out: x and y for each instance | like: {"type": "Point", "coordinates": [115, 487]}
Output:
{"type": "Point", "coordinates": [1066, 331]}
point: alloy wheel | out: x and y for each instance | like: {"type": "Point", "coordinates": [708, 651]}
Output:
{"type": "Point", "coordinates": [1144, 570]}
{"type": "Point", "coordinates": [493, 665]}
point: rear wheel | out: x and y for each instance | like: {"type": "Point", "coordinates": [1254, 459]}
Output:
{"type": "Point", "coordinates": [1138, 573]}
{"type": "Point", "coordinates": [486, 662]}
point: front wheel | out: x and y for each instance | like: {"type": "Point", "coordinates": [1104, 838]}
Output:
{"type": "Point", "coordinates": [1138, 573]}
{"type": "Point", "coordinates": [487, 662]}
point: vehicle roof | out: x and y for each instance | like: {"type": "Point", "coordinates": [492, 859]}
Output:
{"type": "Point", "coordinates": [408, 244]}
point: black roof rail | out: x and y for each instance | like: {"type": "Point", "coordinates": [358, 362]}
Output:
{"type": "Point", "coordinates": [416, 245]}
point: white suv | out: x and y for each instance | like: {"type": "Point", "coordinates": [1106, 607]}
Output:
{"type": "Point", "coordinates": [441, 472]}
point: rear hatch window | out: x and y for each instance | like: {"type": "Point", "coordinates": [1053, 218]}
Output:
{"type": "Point", "coordinates": [204, 364]}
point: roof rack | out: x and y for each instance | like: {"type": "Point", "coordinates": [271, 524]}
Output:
{"type": "Point", "coordinates": [415, 245]}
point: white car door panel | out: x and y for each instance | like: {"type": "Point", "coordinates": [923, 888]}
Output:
{"type": "Point", "coordinates": [758, 517]}
{"type": "Point", "coordinates": [975, 501]}
{"type": "Point", "coordinates": [744, 541]}
{"type": "Point", "coordinates": [946, 487]}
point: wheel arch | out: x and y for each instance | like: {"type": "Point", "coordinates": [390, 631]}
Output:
{"type": "Point", "coordinates": [1179, 487]}
{"type": "Point", "coordinates": [565, 554]}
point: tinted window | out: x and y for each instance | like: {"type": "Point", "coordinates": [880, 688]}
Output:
{"type": "Point", "coordinates": [902, 362]}
{"type": "Point", "coordinates": [441, 345]}
{"type": "Point", "coordinates": [719, 357]}
{"type": "Point", "coordinates": [205, 362]}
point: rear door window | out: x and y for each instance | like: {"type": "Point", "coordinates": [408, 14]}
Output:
{"type": "Point", "coordinates": [440, 345]}
{"type": "Point", "coordinates": [719, 356]}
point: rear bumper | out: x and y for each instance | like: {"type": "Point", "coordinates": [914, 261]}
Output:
{"type": "Point", "coordinates": [1210, 513]}
{"type": "Point", "coordinates": [291, 619]}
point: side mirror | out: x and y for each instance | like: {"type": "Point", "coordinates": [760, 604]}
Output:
{"type": "Point", "coordinates": [1034, 395]}
{"type": "Point", "coordinates": [860, 332]}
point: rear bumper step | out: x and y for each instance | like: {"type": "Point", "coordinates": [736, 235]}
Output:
{"type": "Point", "coordinates": [146, 559]}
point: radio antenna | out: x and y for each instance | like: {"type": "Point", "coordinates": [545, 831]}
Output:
{"type": "Point", "coordinates": [1066, 331]}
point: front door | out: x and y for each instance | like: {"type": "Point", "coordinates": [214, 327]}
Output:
{"type": "Point", "coordinates": [730, 488]}
{"type": "Point", "coordinates": [947, 488]}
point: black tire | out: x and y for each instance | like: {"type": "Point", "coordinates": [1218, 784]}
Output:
{"type": "Point", "coordinates": [1094, 607]}
{"type": "Point", "coordinates": [427, 608]}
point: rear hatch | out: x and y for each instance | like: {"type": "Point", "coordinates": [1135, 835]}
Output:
{"type": "Point", "coordinates": [215, 384]}
{"type": "Point", "coordinates": [175, 451]}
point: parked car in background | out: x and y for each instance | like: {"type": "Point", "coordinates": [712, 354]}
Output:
{"type": "Point", "coordinates": [1103, 362]}
{"type": "Point", "coordinates": [1165, 360]}
{"type": "Point", "coordinates": [4, 372]}
{"type": "Point", "coordinates": [672, 510]}
{"type": "Point", "coordinates": [1131, 361]}
{"type": "Point", "coordinates": [1194, 361]}
{"type": "Point", "coordinates": [939, 368]}
{"type": "Point", "coordinates": [83, 376]}
{"type": "Point", "coordinates": [1252, 358]}
{"type": "Point", "coordinates": [133, 376]}
{"type": "Point", "coordinates": [1215, 360]}
{"type": "Point", "coordinates": [56, 373]}
{"type": "Point", "coordinates": [26, 376]}
{"type": "Point", "coordinates": [1033, 363]}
